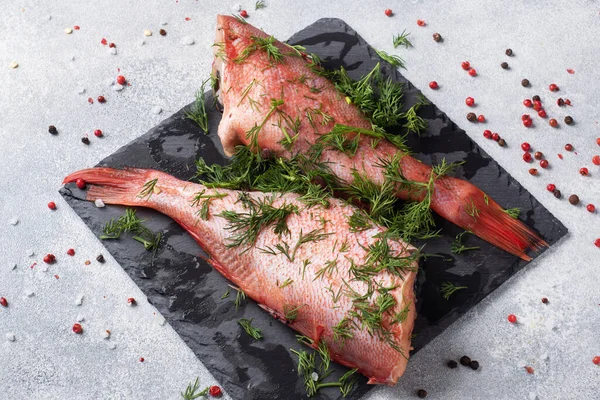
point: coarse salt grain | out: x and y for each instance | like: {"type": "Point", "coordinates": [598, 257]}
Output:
{"type": "Point", "coordinates": [81, 90]}
{"type": "Point", "coordinates": [156, 110]}
{"type": "Point", "coordinates": [13, 266]}
{"type": "Point", "coordinates": [68, 31]}
{"type": "Point", "coordinates": [112, 50]}
{"type": "Point", "coordinates": [118, 87]}
{"type": "Point", "coordinates": [79, 318]}
{"type": "Point", "coordinates": [13, 64]}
{"type": "Point", "coordinates": [314, 376]}
{"type": "Point", "coordinates": [236, 8]}
{"type": "Point", "coordinates": [10, 337]}
{"type": "Point", "coordinates": [28, 292]}
{"type": "Point", "coordinates": [161, 320]}
{"type": "Point", "coordinates": [164, 23]}
{"type": "Point", "coordinates": [188, 40]}
{"type": "Point", "coordinates": [14, 221]}
{"type": "Point", "coordinates": [521, 364]}
{"type": "Point", "coordinates": [106, 334]}
{"type": "Point", "coordinates": [99, 203]}
{"type": "Point", "coordinates": [79, 300]}
{"type": "Point", "coordinates": [111, 345]}
{"type": "Point", "coordinates": [147, 32]}
{"type": "Point", "coordinates": [30, 252]}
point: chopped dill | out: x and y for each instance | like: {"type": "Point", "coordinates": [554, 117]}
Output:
{"type": "Point", "coordinates": [513, 212]}
{"type": "Point", "coordinates": [259, 4]}
{"type": "Point", "coordinates": [246, 324]}
{"type": "Point", "coordinates": [205, 198]}
{"type": "Point", "coordinates": [291, 312]}
{"type": "Point", "coordinates": [402, 40]}
{"type": "Point", "coordinates": [198, 112]}
{"type": "Point", "coordinates": [192, 391]}
{"type": "Point", "coordinates": [148, 189]}
{"type": "Point", "coordinates": [458, 247]}
{"type": "Point", "coordinates": [226, 294]}
{"type": "Point", "coordinates": [287, 282]}
{"type": "Point", "coordinates": [240, 297]}
{"type": "Point", "coordinates": [448, 289]}
{"type": "Point", "coordinates": [129, 222]}
{"type": "Point", "coordinates": [267, 44]}
{"type": "Point", "coordinates": [393, 60]}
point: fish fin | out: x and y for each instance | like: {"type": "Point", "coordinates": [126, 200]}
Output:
{"type": "Point", "coordinates": [486, 219]}
{"type": "Point", "coordinates": [274, 313]}
{"type": "Point", "coordinates": [113, 186]}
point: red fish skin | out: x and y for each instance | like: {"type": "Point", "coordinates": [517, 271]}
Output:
{"type": "Point", "coordinates": [261, 276]}
{"type": "Point", "coordinates": [246, 90]}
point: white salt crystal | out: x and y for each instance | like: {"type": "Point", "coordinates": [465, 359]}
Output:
{"type": "Point", "coordinates": [118, 87]}
{"type": "Point", "coordinates": [236, 7]}
{"type": "Point", "coordinates": [147, 32]}
{"type": "Point", "coordinates": [112, 50]}
{"type": "Point", "coordinates": [161, 320]}
{"type": "Point", "coordinates": [111, 345]}
{"type": "Point", "coordinates": [156, 110]}
{"type": "Point", "coordinates": [142, 42]}
{"type": "Point", "coordinates": [314, 376]}
{"type": "Point", "coordinates": [106, 334]}
{"type": "Point", "coordinates": [68, 31]}
{"type": "Point", "coordinates": [81, 90]}
{"type": "Point", "coordinates": [109, 81]}
{"type": "Point", "coordinates": [43, 267]}
{"type": "Point", "coordinates": [164, 23]}
{"type": "Point", "coordinates": [30, 252]}
{"type": "Point", "coordinates": [521, 364]}
{"type": "Point", "coordinates": [72, 58]}
{"type": "Point", "coordinates": [79, 300]}
{"type": "Point", "coordinates": [79, 318]}
{"type": "Point", "coordinates": [13, 266]}
{"type": "Point", "coordinates": [13, 64]}
{"type": "Point", "coordinates": [14, 221]}
{"type": "Point", "coordinates": [28, 292]}
{"type": "Point", "coordinates": [188, 40]}
{"type": "Point", "coordinates": [99, 203]}
{"type": "Point", "coordinates": [532, 396]}
{"type": "Point", "coordinates": [10, 337]}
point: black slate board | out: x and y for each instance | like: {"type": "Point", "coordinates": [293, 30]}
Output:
{"type": "Point", "coordinates": [187, 291]}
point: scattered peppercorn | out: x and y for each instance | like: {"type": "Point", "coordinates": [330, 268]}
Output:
{"type": "Point", "coordinates": [508, 52]}
{"type": "Point", "coordinates": [502, 143]}
{"type": "Point", "coordinates": [545, 300]}
{"type": "Point", "coordinates": [77, 329]}
{"type": "Point", "coordinates": [551, 187]}
{"type": "Point", "coordinates": [471, 117]}
{"type": "Point", "coordinates": [481, 118]}
{"type": "Point", "coordinates": [470, 101]}
{"type": "Point", "coordinates": [525, 146]}
{"type": "Point", "coordinates": [52, 205]}
{"type": "Point", "coordinates": [542, 113]}
{"type": "Point", "coordinates": [465, 65]}
{"type": "Point", "coordinates": [3, 302]}
{"type": "Point", "coordinates": [529, 370]}
{"type": "Point", "coordinates": [472, 72]}
{"type": "Point", "coordinates": [538, 155]}
{"type": "Point", "coordinates": [533, 171]}
{"type": "Point", "coordinates": [597, 242]}
{"type": "Point", "coordinates": [537, 105]}
{"type": "Point", "coordinates": [437, 37]}
{"type": "Point", "coordinates": [52, 130]}
{"type": "Point", "coordinates": [553, 87]}
{"type": "Point", "coordinates": [142, 359]}
{"type": "Point", "coordinates": [49, 258]}
{"type": "Point", "coordinates": [80, 183]}
{"type": "Point", "coordinates": [512, 318]}
{"type": "Point", "coordinates": [112, 45]}
{"type": "Point", "coordinates": [553, 123]}
{"type": "Point", "coordinates": [87, 262]}
{"type": "Point", "coordinates": [121, 80]}
{"type": "Point", "coordinates": [243, 13]}
{"type": "Point", "coordinates": [85, 140]}
{"type": "Point", "coordinates": [591, 208]}
{"type": "Point", "coordinates": [464, 360]}
{"type": "Point", "coordinates": [164, 33]}
{"type": "Point", "coordinates": [569, 120]}
{"type": "Point", "coordinates": [596, 360]}
{"type": "Point", "coordinates": [433, 85]}
{"type": "Point", "coordinates": [215, 391]}
{"type": "Point", "coordinates": [574, 199]}
{"type": "Point", "coordinates": [527, 103]}
{"type": "Point", "coordinates": [596, 160]}
{"type": "Point", "coordinates": [527, 122]}
{"type": "Point", "coordinates": [557, 194]}
{"type": "Point", "coordinates": [495, 136]}
{"type": "Point", "coordinates": [452, 364]}
{"type": "Point", "coordinates": [100, 258]}
{"type": "Point", "coordinates": [504, 65]}
{"type": "Point", "coordinates": [488, 135]}
{"type": "Point", "coordinates": [527, 157]}
{"type": "Point", "coordinates": [568, 147]}
{"type": "Point", "coordinates": [560, 102]}
{"type": "Point", "coordinates": [71, 252]}
{"type": "Point", "coordinates": [420, 22]}
{"type": "Point", "coordinates": [131, 301]}
{"type": "Point", "coordinates": [104, 41]}
{"type": "Point", "coordinates": [388, 12]}
{"type": "Point", "coordinates": [584, 171]}
{"type": "Point", "coordinates": [544, 164]}
{"type": "Point", "coordinates": [536, 98]}
{"type": "Point", "coordinates": [474, 365]}
{"type": "Point", "coordinates": [525, 82]}
{"type": "Point", "coordinates": [421, 393]}
{"type": "Point", "coordinates": [567, 102]}
{"type": "Point", "coordinates": [98, 133]}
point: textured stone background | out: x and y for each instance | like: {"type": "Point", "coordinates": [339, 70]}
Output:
{"type": "Point", "coordinates": [48, 361]}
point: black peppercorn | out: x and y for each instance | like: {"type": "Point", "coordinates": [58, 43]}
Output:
{"type": "Point", "coordinates": [536, 98]}
{"type": "Point", "coordinates": [508, 52]}
{"type": "Point", "coordinates": [502, 142]}
{"type": "Point", "coordinates": [85, 140]}
{"type": "Point", "coordinates": [437, 37]}
{"type": "Point", "coordinates": [421, 393]}
{"type": "Point", "coordinates": [545, 300]}
{"type": "Point", "coordinates": [525, 82]}
{"type": "Point", "coordinates": [557, 194]}
{"type": "Point", "coordinates": [569, 120]}
{"type": "Point", "coordinates": [452, 364]}
{"type": "Point", "coordinates": [464, 360]}
{"type": "Point", "coordinates": [560, 102]}
{"type": "Point", "coordinates": [538, 155]}
{"type": "Point", "coordinates": [100, 258]}
{"type": "Point", "coordinates": [504, 65]}
{"type": "Point", "coordinates": [471, 117]}
{"type": "Point", "coordinates": [574, 199]}
{"type": "Point", "coordinates": [52, 129]}
{"type": "Point", "coordinates": [474, 365]}
{"type": "Point", "coordinates": [162, 32]}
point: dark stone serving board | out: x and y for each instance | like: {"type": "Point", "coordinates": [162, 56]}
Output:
{"type": "Point", "coordinates": [187, 291]}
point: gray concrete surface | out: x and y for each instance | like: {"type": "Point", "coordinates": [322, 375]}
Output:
{"type": "Point", "coordinates": [47, 361]}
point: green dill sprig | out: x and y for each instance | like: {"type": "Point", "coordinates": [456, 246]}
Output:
{"type": "Point", "coordinates": [448, 289]}
{"type": "Point", "coordinates": [193, 391]}
{"type": "Point", "coordinates": [252, 134]}
{"type": "Point", "coordinates": [402, 40]}
{"type": "Point", "coordinates": [267, 44]}
{"type": "Point", "coordinates": [290, 312]}
{"type": "Point", "coordinates": [205, 199]}
{"type": "Point", "coordinates": [259, 4]}
{"type": "Point", "coordinates": [393, 60]}
{"type": "Point", "coordinates": [290, 253]}
{"type": "Point", "coordinates": [513, 212]}
{"type": "Point", "coordinates": [287, 282]}
{"type": "Point", "coordinates": [458, 247]}
{"type": "Point", "coordinates": [246, 324]}
{"type": "Point", "coordinates": [414, 123]}
{"type": "Point", "coordinates": [148, 189]}
{"type": "Point", "coordinates": [129, 222]}
{"type": "Point", "coordinates": [226, 294]}
{"type": "Point", "coordinates": [388, 110]}
{"type": "Point", "coordinates": [240, 19]}
{"type": "Point", "coordinates": [343, 330]}
{"type": "Point", "coordinates": [198, 112]}
{"type": "Point", "coordinates": [240, 297]}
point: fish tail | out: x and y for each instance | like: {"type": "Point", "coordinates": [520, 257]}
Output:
{"type": "Point", "coordinates": [114, 186]}
{"type": "Point", "coordinates": [486, 219]}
